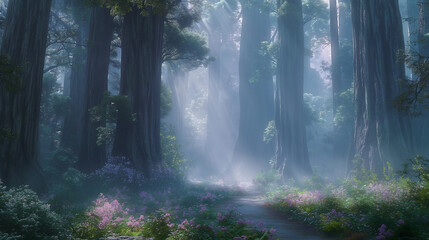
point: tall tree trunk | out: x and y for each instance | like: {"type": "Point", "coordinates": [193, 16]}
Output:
{"type": "Point", "coordinates": [73, 120]}
{"type": "Point", "coordinates": [291, 152]}
{"type": "Point", "coordinates": [139, 140]}
{"type": "Point", "coordinates": [335, 46]}
{"type": "Point", "coordinates": [413, 21]}
{"type": "Point", "coordinates": [93, 156]}
{"type": "Point", "coordinates": [423, 39]}
{"type": "Point", "coordinates": [24, 41]}
{"type": "Point", "coordinates": [345, 20]}
{"type": "Point", "coordinates": [381, 133]}
{"type": "Point", "coordinates": [419, 23]}
{"type": "Point", "coordinates": [346, 44]}
{"type": "Point", "coordinates": [256, 88]}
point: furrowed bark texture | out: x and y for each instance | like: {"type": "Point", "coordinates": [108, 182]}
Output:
{"type": "Point", "coordinates": [381, 133]}
{"type": "Point", "coordinates": [139, 140]}
{"type": "Point", "coordinates": [291, 152]}
{"type": "Point", "coordinates": [24, 41]}
{"type": "Point", "coordinates": [73, 120]}
{"type": "Point", "coordinates": [335, 46]}
{"type": "Point", "coordinates": [93, 156]}
{"type": "Point", "coordinates": [256, 89]}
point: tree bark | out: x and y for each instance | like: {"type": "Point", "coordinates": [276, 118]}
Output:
{"type": "Point", "coordinates": [291, 152]}
{"type": "Point", "coordinates": [413, 22]}
{"type": "Point", "coordinates": [335, 46]}
{"type": "Point", "coordinates": [73, 120]}
{"type": "Point", "coordinates": [381, 133]}
{"type": "Point", "coordinates": [256, 89]}
{"type": "Point", "coordinates": [141, 62]}
{"type": "Point", "coordinates": [93, 156]}
{"type": "Point", "coordinates": [24, 41]}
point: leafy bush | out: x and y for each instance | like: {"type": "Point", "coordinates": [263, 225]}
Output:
{"type": "Point", "coordinates": [363, 206]}
{"type": "Point", "coordinates": [267, 179]}
{"type": "Point", "coordinates": [171, 155]}
{"type": "Point", "coordinates": [24, 216]}
{"type": "Point", "coordinates": [107, 217]}
{"type": "Point", "coordinates": [159, 226]}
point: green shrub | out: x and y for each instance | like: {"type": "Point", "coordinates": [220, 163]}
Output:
{"type": "Point", "coordinates": [159, 227]}
{"type": "Point", "coordinates": [24, 216]}
{"type": "Point", "coordinates": [268, 179]}
{"type": "Point", "coordinates": [203, 232]}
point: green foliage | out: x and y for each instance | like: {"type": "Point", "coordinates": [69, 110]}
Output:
{"type": "Point", "coordinates": [107, 113]}
{"type": "Point", "coordinates": [418, 168]}
{"type": "Point", "coordinates": [121, 7]}
{"type": "Point", "coordinates": [270, 132]}
{"type": "Point", "coordinates": [157, 227]}
{"type": "Point", "coordinates": [315, 109]}
{"type": "Point", "coordinates": [24, 216]}
{"type": "Point", "coordinates": [415, 95]}
{"type": "Point", "coordinates": [266, 180]}
{"type": "Point", "coordinates": [314, 183]}
{"type": "Point", "coordinates": [65, 180]}
{"type": "Point", "coordinates": [184, 45]}
{"type": "Point", "coordinates": [344, 115]}
{"type": "Point", "coordinates": [171, 155]}
{"type": "Point", "coordinates": [360, 173]}
{"type": "Point", "coordinates": [366, 207]}
{"type": "Point", "coordinates": [316, 23]}
{"type": "Point", "coordinates": [193, 233]}
{"type": "Point", "coordinates": [262, 5]}
{"type": "Point", "coordinates": [166, 101]}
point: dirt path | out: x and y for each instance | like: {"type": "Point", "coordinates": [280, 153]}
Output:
{"type": "Point", "coordinates": [252, 207]}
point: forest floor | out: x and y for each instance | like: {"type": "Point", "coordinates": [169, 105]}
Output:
{"type": "Point", "coordinates": [251, 205]}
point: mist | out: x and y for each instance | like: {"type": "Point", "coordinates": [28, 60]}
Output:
{"type": "Point", "coordinates": [214, 119]}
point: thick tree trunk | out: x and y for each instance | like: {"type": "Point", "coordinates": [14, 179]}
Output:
{"type": "Point", "coordinates": [423, 24]}
{"type": "Point", "coordinates": [139, 140]}
{"type": "Point", "coordinates": [24, 41]}
{"type": "Point", "coordinates": [93, 156]}
{"type": "Point", "coordinates": [345, 20]}
{"type": "Point", "coordinates": [291, 152]}
{"type": "Point", "coordinates": [419, 23]}
{"type": "Point", "coordinates": [256, 89]}
{"type": "Point", "coordinates": [73, 120]}
{"type": "Point", "coordinates": [381, 133]}
{"type": "Point", "coordinates": [413, 21]}
{"type": "Point", "coordinates": [335, 46]}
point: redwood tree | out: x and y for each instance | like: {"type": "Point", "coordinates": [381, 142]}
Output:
{"type": "Point", "coordinates": [381, 133]}
{"type": "Point", "coordinates": [92, 155]}
{"type": "Point", "coordinates": [255, 86]}
{"type": "Point", "coordinates": [24, 42]}
{"type": "Point", "coordinates": [291, 152]}
{"type": "Point", "coordinates": [73, 120]}
{"type": "Point", "coordinates": [139, 138]}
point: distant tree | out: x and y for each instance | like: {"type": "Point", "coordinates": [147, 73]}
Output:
{"type": "Point", "coordinates": [73, 120]}
{"type": "Point", "coordinates": [92, 155]}
{"type": "Point", "coordinates": [335, 47]}
{"type": "Point", "coordinates": [291, 152]}
{"type": "Point", "coordinates": [256, 88]}
{"type": "Point", "coordinates": [381, 133]}
{"type": "Point", "coordinates": [24, 41]}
